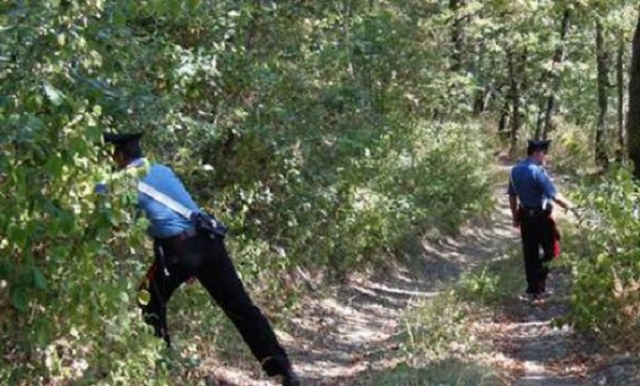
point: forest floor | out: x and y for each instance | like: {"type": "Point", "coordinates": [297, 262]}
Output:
{"type": "Point", "coordinates": [355, 333]}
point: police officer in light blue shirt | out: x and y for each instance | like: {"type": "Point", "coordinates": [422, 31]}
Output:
{"type": "Point", "coordinates": [164, 221]}
{"type": "Point", "coordinates": [531, 193]}
{"type": "Point", "coordinates": [182, 253]}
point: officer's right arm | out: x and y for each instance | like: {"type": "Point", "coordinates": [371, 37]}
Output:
{"type": "Point", "coordinates": [513, 201]}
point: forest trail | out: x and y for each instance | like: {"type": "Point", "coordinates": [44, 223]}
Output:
{"type": "Point", "coordinates": [348, 335]}
{"type": "Point", "coordinates": [524, 333]}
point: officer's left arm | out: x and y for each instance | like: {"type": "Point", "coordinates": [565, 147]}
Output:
{"type": "Point", "coordinates": [513, 204]}
{"type": "Point", "coordinates": [550, 191]}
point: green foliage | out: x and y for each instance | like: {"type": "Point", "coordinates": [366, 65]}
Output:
{"type": "Point", "coordinates": [606, 257]}
{"type": "Point", "coordinates": [357, 214]}
{"type": "Point", "coordinates": [494, 282]}
{"type": "Point", "coordinates": [439, 345]}
{"type": "Point", "coordinates": [325, 134]}
{"type": "Point", "coordinates": [59, 272]}
{"type": "Point", "coordinates": [303, 126]}
{"type": "Point", "coordinates": [572, 152]}
{"type": "Point", "coordinates": [443, 373]}
{"type": "Point", "coordinates": [434, 328]}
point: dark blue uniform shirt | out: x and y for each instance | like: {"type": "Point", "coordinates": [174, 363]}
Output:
{"type": "Point", "coordinates": [530, 182]}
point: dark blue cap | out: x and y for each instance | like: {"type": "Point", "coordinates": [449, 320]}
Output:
{"type": "Point", "coordinates": [121, 139]}
{"type": "Point", "coordinates": [538, 144]}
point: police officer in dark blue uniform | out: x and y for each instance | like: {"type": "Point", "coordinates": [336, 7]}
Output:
{"type": "Point", "coordinates": [182, 253]}
{"type": "Point", "coordinates": [531, 193]}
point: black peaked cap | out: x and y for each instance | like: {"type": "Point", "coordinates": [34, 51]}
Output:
{"type": "Point", "coordinates": [121, 139]}
{"type": "Point", "coordinates": [538, 144]}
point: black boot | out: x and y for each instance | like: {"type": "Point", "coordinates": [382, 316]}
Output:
{"type": "Point", "coordinates": [290, 379]}
{"type": "Point", "coordinates": [542, 285]}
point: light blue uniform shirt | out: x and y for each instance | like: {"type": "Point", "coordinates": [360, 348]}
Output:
{"type": "Point", "coordinates": [164, 221]}
{"type": "Point", "coordinates": [530, 182]}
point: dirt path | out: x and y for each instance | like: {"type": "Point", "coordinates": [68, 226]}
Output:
{"type": "Point", "coordinates": [349, 333]}
{"type": "Point", "coordinates": [527, 337]}
{"type": "Point", "coordinates": [543, 352]}
{"type": "Point", "coordinates": [339, 339]}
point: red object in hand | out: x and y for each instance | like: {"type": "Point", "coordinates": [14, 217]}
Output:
{"type": "Point", "coordinates": [556, 239]}
{"type": "Point", "coordinates": [556, 248]}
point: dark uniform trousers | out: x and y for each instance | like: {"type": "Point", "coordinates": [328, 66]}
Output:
{"type": "Point", "coordinates": [537, 232]}
{"type": "Point", "coordinates": [208, 261]}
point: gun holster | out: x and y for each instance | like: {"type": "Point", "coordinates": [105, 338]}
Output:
{"type": "Point", "coordinates": [209, 226]}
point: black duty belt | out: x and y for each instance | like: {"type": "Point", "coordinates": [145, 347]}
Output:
{"type": "Point", "coordinates": [173, 241]}
{"type": "Point", "coordinates": [532, 211]}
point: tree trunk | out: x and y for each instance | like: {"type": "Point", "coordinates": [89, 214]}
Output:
{"type": "Point", "coordinates": [483, 94]}
{"type": "Point", "coordinates": [457, 34]}
{"type": "Point", "coordinates": [539, 120]}
{"type": "Point", "coordinates": [478, 102]}
{"type": "Point", "coordinates": [253, 27]}
{"type": "Point", "coordinates": [601, 57]}
{"type": "Point", "coordinates": [504, 122]}
{"type": "Point", "coordinates": [482, 99]}
{"type": "Point", "coordinates": [558, 57]}
{"type": "Point", "coordinates": [514, 93]}
{"type": "Point", "coordinates": [633, 116]}
{"type": "Point", "coordinates": [620, 155]}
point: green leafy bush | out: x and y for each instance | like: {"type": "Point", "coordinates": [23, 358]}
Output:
{"type": "Point", "coordinates": [435, 329]}
{"type": "Point", "coordinates": [572, 150]}
{"type": "Point", "coordinates": [494, 281]}
{"type": "Point", "coordinates": [606, 257]}
{"type": "Point", "coordinates": [355, 213]}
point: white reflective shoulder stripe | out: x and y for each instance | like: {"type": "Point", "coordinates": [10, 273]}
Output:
{"type": "Point", "coordinates": [165, 200]}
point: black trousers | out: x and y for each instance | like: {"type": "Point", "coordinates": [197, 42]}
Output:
{"type": "Point", "coordinates": [538, 233]}
{"type": "Point", "coordinates": [208, 261]}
